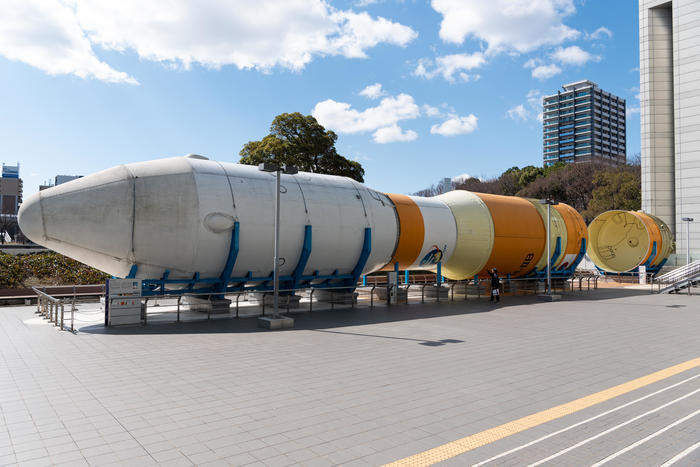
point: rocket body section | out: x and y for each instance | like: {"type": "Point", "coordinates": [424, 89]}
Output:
{"type": "Point", "coordinates": [623, 240]}
{"type": "Point", "coordinates": [175, 217]}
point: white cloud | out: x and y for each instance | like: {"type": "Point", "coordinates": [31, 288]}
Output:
{"type": "Point", "coordinates": [260, 35]}
{"type": "Point", "coordinates": [340, 116]}
{"type": "Point", "coordinates": [393, 134]}
{"type": "Point", "coordinates": [543, 72]}
{"type": "Point", "coordinates": [46, 35]}
{"type": "Point", "coordinates": [573, 55]}
{"type": "Point", "coordinates": [599, 33]}
{"type": "Point", "coordinates": [455, 126]}
{"type": "Point", "coordinates": [533, 62]}
{"type": "Point", "coordinates": [519, 112]}
{"type": "Point", "coordinates": [531, 108]}
{"type": "Point", "coordinates": [448, 65]}
{"type": "Point", "coordinates": [534, 101]}
{"type": "Point", "coordinates": [632, 110]}
{"type": "Point", "coordinates": [506, 25]}
{"type": "Point", "coordinates": [382, 119]}
{"type": "Point", "coordinates": [431, 111]}
{"type": "Point", "coordinates": [373, 91]}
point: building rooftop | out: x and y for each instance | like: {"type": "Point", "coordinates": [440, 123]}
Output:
{"type": "Point", "coordinates": [578, 85]}
{"type": "Point", "coordinates": [10, 171]}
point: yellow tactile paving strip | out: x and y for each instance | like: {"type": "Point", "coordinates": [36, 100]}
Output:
{"type": "Point", "coordinates": [460, 446]}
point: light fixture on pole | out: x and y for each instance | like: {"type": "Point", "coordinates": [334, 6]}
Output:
{"type": "Point", "coordinates": [549, 203]}
{"type": "Point", "coordinates": [278, 169]}
{"type": "Point", "coordinates": [687, 221]}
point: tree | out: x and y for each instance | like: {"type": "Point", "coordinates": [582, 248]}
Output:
{"type": "Point", "coordinates": [570, 184]}
{"type": "Point", "coordinates": [300, 140]}
{"type": "Point", "coordinates": [618, 188]}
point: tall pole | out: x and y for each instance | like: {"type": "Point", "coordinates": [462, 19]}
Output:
{"type": "Point", "coordinates": [276, 280]}
{"type": "Point", "coordinates": [549, 253]}
{"type": "Point", "coordinates": [687, 242]}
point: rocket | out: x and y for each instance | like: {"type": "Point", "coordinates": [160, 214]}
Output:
{"type": "Point", "coordinates": [183, 217]}
{"type": "Point", "coordinates": [621, 241]}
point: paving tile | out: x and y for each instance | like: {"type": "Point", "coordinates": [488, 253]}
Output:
{"type": "Point", "coordinates": [342, 387]}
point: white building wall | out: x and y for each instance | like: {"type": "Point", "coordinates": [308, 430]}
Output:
{"type": "Point", "coordinates": [669, 34]}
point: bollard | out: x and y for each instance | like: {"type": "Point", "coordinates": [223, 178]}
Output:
{"type": "Point", "coordinates": [311, 300]}
{"type": "Point", "coordinates": [178, 308]}
{"type": "Point", "coordinates": [371, 296]}
{"type": "Point", "coordinates": [237, 298]}
{"type": "Point", "coordinates": [62, 313]}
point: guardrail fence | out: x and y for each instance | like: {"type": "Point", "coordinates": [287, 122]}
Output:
{"type": "Point", "coordinates": [54, 309]}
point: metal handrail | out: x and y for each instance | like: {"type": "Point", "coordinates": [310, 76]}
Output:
{"type": "Point", "coordinates": [678, 278]}
{"type": "Point", "coordinates": [680, 273]}
{"type": "Point", "coordinates": [49, 307]}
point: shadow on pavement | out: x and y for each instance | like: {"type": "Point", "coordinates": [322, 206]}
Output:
{"type": "Point", "coordinates": [324, 320]}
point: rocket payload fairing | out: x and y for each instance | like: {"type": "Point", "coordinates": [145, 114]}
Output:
{"type": "Point", "coordinates": [177, 214]}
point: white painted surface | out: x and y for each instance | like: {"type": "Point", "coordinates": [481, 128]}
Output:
{"type": "Point", "coordinates": [176, 214]}
{"type": "Point", "coordinates": [440, 233]}
{"type": "Point", "coordinates": [571, 427]}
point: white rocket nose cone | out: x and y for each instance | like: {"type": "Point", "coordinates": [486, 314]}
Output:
{"type": "Point", "coordinates": [88, 219]}
{"type": "Point", "coordinates": [30, 220]}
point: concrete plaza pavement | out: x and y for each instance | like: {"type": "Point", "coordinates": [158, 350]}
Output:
{"type": "Point", "coordinates": [352, 387]}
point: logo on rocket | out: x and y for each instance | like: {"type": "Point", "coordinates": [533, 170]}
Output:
{"type": "Point", "coordinates": [434, 256]}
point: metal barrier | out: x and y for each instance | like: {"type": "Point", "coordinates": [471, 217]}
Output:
{"type": "Point", "coordinates": [685, 277]}
{"type": "Point", "coordinates": [49, 307]}
{"type": "Point", "coordinates": [256, 303]}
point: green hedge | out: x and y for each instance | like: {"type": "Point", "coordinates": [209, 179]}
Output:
{"type": "Point", "coordinates": [48, 266]}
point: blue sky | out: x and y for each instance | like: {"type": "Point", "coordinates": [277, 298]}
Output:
{"type": "Point", "coordinates": [416, 91]}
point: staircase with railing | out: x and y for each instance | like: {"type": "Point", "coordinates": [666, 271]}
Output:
{"type": "Point", "coordinates": [679, 279]}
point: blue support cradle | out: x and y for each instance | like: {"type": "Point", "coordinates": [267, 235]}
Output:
{"type": "Point", "coordinates": [226, 283]}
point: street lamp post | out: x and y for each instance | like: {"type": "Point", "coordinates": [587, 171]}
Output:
{"type": "Point", "coordinates": [278, 169]}
{"type": "Point", "coordinates": [687, 221]}
{"type": "Point", "coordinates": [549, 203]}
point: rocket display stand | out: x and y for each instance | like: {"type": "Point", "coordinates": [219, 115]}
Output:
{"type": "Point", "coordinates": [227, 284]}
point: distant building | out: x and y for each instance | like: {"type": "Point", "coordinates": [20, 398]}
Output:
{"type": "Point", "coordinates": [58, 180]}
{"type": "Point", "coordinates": [10, 189]}
{"type": "Point", "coordinates": [583, 123]}
{"type": "Point", "coordinates": [446, 185]}
{"type": "Point", "coordinates": [669, 67]}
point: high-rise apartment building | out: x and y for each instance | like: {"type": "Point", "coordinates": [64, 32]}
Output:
{"type": "Point", "coordinates": [669, 68]}
{"type": "Point", "coordinates": [583, 123]}
{"type": "Point", "coordinates": [10, 189]}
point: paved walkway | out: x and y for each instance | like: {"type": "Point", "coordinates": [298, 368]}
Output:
{"type": "Point", "coordinates": [356, 387]}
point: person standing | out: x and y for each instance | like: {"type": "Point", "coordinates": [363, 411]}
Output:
{"type": "Point", "coordinates": [495, 285]}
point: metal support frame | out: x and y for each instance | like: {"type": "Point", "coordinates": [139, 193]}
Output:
{"type": "Point", "coordinates": [225, 283]}
{"type": "Point", "coordinates": [231, 259]}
